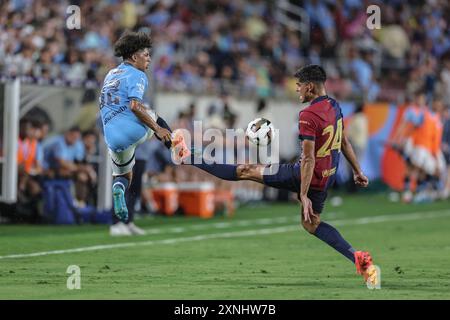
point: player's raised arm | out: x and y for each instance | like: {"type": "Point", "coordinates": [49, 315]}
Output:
{"type": "Point", "coordinates": [141, 113]}
{"type": "Point", "coordinates": [358, 176]}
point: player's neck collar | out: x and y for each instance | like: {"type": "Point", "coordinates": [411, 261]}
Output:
{"type": "Point", "coordinates": [126, 63]}
{"type": "Point", "coordinates": [318, 99]}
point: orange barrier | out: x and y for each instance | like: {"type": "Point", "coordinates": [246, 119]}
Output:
{"type": "Point", "coordinates": [166, 197]}
{"type": "Point", "coordinates": [196, 198]}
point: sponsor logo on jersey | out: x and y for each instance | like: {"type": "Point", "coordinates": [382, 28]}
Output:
{"type": "Point", "coordinates": [328, 172]}
{"type": "Point", "coordinates": [114, 114]}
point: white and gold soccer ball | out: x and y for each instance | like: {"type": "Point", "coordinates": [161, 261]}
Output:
{"type": "Point", "coordinates": [260, 132]}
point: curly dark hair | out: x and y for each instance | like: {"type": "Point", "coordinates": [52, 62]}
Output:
{"type": "Point", "coordinates": [311, 73]}
{"type": "Point", "coordinates": [131, 42]}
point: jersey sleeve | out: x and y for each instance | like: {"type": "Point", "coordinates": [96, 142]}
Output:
{"type": "Point", "coordinates": [137, 85]}
{"type": "Point", "coordinates": [58, 151]}
{"type": "Point", "coordinates": [39, 154]}
{"type": "Point", "coordinates": [79, 151]}
{"type": "Point", "coordinates": [307, 126]}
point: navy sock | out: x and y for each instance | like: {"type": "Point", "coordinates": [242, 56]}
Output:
{"type": "Point", "coordinates": [330, 235]}
{"type": "Point", "coordinates": [121, 181]}
{"type": "Point", "coordinates": [222, 171]}
{"type": "Point", "coordinates": [162, 123]}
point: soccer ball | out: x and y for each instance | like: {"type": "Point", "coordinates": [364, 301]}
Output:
{"type": "Point", "coordinates": [260, 132]}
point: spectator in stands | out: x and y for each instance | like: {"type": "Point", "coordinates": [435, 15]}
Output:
{"type": "Point", "coordinates": [62, 153]}
{"type": "Point", "coordinates": [89, 168]}
{"type": "Point", "coordinates": [29, 169]}
{"type": "Point", "coordinates": [63, 159]}
{"type": "Point", "coordinates": [360, 67]}
{"type": "Point", "coordinates": [27, 157]}
{"type": "Point", "coordinates": [445, 78]}
{"type": "Point", "coordinates": [41, 129]}
{"type": "Point", "coordinates": [228, 39]}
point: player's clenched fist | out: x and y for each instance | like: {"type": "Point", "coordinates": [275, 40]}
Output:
{"type": "Point", "coordinates": [361, 180]}
{"type": "Point", "coordinates": [163, 134]}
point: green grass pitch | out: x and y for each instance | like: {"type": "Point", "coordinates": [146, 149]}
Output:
{"type": "Point", "coordinates": [260, 253]}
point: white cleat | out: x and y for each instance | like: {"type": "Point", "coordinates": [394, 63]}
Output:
{"type": "Point", "coordinates": [135, 229]}
{"type": "Point", "coordinates": [119, 229]}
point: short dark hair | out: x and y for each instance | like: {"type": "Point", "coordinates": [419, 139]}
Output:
{"type": "Point", "coordinates": [311, 73]}
{"type": "Point", "coordinates": [89, 132]}
{"type": "Point", "coordinates": [131, 42]}
{"type": "Point", "coordinates": [37, 124]}
{"type": "Point", "coordinates": [74, 128]}
{"type": "Point", "coordinates": [24, 121]}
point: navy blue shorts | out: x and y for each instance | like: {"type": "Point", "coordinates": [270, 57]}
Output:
{"type": "Point", "coordinates": [288, 178]}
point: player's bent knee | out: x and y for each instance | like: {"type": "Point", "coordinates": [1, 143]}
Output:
{"type": "Point", "coordinates": [310, 227]}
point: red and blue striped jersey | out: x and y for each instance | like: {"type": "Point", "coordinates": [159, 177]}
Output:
{"type": "Point", "coordinates": [322, 122]}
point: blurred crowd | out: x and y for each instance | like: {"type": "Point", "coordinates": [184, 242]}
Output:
{"type": "Point", "coordinates": [72, 155]}
{"type": "Point", "coordinates": [203, 45]}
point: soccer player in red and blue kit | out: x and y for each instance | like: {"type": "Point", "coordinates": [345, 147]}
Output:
{"type": "Point", "coordinates": [321, 131]}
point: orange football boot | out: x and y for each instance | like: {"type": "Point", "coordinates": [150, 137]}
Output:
{"type": "Point", "coordinates": [366, 268]}
{"type": "Point", "coordinates": [179, 149]}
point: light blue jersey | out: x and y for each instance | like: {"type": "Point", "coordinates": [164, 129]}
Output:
{"type": "Point", "coordinates": [121, 127]}
{"type": "Point", "coordinates": [56, 148]}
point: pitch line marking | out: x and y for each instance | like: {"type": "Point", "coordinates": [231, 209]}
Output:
{"type": "Point", "coordinates": [245, 233]}
{"type": "Point", "coordinates": [223, 225]}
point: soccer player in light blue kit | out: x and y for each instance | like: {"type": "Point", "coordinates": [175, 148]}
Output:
{"type": "Point", "coordinates": [126, 121]}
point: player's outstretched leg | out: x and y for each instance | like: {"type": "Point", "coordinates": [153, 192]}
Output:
{"type": "Point", "coordinates": [331, 236]}
{"type": "Point", "coordinates": [231, 172]}
{"type": "Point", "coordinates": [120, 185]}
